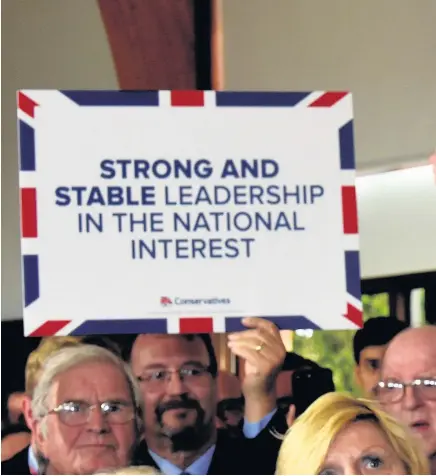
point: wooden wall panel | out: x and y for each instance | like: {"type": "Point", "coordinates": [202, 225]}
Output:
{"type": "Point", "coordinates": [152, 42]}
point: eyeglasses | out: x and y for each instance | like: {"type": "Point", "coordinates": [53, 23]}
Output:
{"type": "Point", "coordinates": [392, 391]}
{"type": "Point", "coordinates": [75, 413]}
{"type": "Point", "coordinates": [190, 374]}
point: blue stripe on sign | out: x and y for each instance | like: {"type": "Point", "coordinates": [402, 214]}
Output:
{"type": "Point", "coordinates": [27, 147]}
{"type": "Point", "coordinates": [113, 98]}
{"type": "Point", "coordinates": [282, 322]}
{"type": "Point", "coordinates": [121, 326]}
{"type": "Point", "coordinates": [346, 146]}
{"type": "Point", "coordinates": [352, 271]}
{"type": "Point", "coordinates": [268, 98]}
{"type": "Point", "coordinates": [31, 279]}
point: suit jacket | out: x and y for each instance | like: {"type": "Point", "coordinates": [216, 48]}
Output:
{"type": "Point", "coordinates": [236, 455]}
{"type": "Point", "coordinates": [18, 464]}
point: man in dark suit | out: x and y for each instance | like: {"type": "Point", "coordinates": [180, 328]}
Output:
{"type": "Point", "coordinates": [18, 464]}
{"type": "Point", "coordinates": [178, 382]}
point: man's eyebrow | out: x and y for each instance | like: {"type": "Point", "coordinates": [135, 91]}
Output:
{"type": "Point", "coordinates": [158, 365]}
{"type": "Point", "coordinates": [154, 366]}
{"type": "Point", "coordinates": [195, 362]}
{"type": "Point", "coordinates": [72, 400]}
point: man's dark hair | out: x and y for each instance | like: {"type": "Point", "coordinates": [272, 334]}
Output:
{"type": "Point", "coordinates": [376, 331]}
{"type": "Point", "coordinates": [207, 341]}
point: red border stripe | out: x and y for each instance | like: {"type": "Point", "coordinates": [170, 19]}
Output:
{"type": "Point", "coordinates": [349, 210]}
{"type": "Point", "coordinates": [26, 104]}
{"type": "Point", "coordinates": [29, 224]}
{"type": "Point", "coordinates": [187, 98]}
{"type": "Point", "coordinates": [196, 325]}
{"type": "Point", "coordinates": [354, 315]}
{"type": "Point", "coordinates": [49, 328]}
{"type": "Point", "coordinates": [328, 99]}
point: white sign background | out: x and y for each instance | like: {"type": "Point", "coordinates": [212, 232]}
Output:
{"type": "Point", "coordinates": [93, 276]}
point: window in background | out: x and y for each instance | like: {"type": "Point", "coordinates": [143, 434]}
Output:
{"type": "Point", "coordinates": [375, 305]}
{"type": "Point", "coordinates": [334, 349]}
{"type": "Point", "coordinates": [417, 307]}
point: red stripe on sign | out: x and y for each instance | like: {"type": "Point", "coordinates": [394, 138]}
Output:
{"type": "Point", "coordinates": [26, 104]}
{"type": "Point", "coordinates": [187, 98]}
{"type": "Point", "coordinates": [349, 210]}
{"type": "Point", "coordinates": [196, 325]}
{"type": "Point", "coordinates": [49, 328]}
{"type": "Point", "coordinates": [328, 99]}
{"type": "Point", "coordinates": [354, 315]}
{"type": "Point", "coordinates": [29, 224]}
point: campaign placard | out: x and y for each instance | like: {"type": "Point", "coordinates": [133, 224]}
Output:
{"type": "Point", "coordinates": [185, 211]}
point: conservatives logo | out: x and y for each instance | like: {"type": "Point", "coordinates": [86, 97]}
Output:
{"type": "Point", "coordinates": [166, 301]}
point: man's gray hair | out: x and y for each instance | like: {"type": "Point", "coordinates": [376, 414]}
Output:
{"type": "Point", "coordinates": [69, 357]}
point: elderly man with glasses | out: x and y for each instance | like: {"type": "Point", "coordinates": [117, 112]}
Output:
{"type": "Point", "coordinates": [408, 387]}
{"type": "Point", "coordinates": [87, 412]}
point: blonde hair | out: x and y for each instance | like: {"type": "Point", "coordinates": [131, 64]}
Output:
{"type": "Point", "coordinates": [50, 345]}
{"type": "Point", "coordinates": [306, 443]}
{"type": "Point", "coordinates": [36, 359]}
{"type": "Point", "coordinates": [134, 470]}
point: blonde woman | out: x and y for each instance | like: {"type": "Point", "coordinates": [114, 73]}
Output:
{"type": "Point", "coordinates": [339, 434]}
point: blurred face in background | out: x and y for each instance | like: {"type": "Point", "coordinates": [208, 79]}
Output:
{"type": "Point", "coordinates": [284, 390]}
{"type": "Point", "coordinates": [230, 411]}
{"type": "Point", "coordinates": [367, 372]}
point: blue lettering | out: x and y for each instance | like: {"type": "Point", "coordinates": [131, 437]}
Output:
{"type": "Point", "coordinates": [203, 196]}
{"type": "Point", "coordinates": [198, 246]}
{"type": "Point", "coordinates": [222, 200]}
{"type": "Point", "coordinates": [108, 171]}
{"type": "Point", "coordinates": [182, 246]}
{"type": "Point", "coordinates": [316, 191]}
{"type": "Point", "coordinates": [63, 198]}
{"type": "Point", "coordinates": [231, 245]}
{"type": "Point", "coordinates": [185, 194]}
{"type": "Point", "coordinates": [282, 222]}
{"type": "Point", "coordinates": [79, 191]}
{"type": "Point", "coordinates": [156, 224]}
{"type": "Point", "coordinates": [115, 196]}
{"type": "Point", "coordinates": [148, 196]}
{"type": "Point", "coordinates": [272, 190]}
{"type": "Point", "coordinates": [270, 168]}
{"type": "Point", "coordinates": [229, 170]}
{"type": "Point", "coordinates": [167, 197]}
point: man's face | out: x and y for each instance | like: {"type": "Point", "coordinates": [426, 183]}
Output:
{"type": "Point", "coordinates": [178, 390]}
{"type": "Point", "coordinates": [410, 360]}
{"type": "Point", "coordinates": [368, 369]}
{"type": "Point", "coordinates": [97, 444]}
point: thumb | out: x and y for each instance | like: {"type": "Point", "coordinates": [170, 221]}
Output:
{"type": "Point", "coordinates": [290, 417]}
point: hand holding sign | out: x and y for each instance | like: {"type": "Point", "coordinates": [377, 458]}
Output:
{"type": "Point", "coordinates": [263, 352]}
